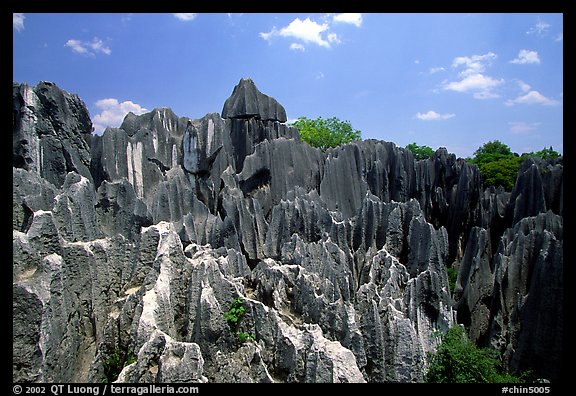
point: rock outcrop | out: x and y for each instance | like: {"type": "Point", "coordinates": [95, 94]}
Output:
{"type": "Point", "coordinates": [247, 101]}
{"type": "Point", "coordinates": [137, 242]}
{"type": "Point", "coordinates": [49, 128]}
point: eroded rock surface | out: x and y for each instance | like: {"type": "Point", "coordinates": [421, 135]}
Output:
{"type": "Point", "coordinates": [137, 242]}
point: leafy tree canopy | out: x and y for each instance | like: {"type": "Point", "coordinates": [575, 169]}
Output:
{"type": "Point", "coordinates": [491, 152]}
{"type": "Point", "coordinates": [325, 133]}
{"type": "Point", "coordinates": [420, 152]}
{"type": "Point", "coordinates": [546, 153]}
{"type": "Point", "coordinates": [493, 147]}
{"type": "Point", "coordinates": [501, 172]}
{"type": "Point", "coordinates": [499, 166]}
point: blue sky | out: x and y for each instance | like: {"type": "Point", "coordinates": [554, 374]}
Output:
{"type": "Point", "coordinates": [442, 79]}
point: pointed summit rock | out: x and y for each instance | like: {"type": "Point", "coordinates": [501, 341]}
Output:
{"type": "Point", "coordinates": [247, 101]}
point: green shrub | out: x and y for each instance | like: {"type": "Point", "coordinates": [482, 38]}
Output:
{"type": "Point", "coordinates": [115, 362]}
{"type": "Point", "coordinates": [452, 278]}
{"type": "Point", "coordinates": [244, 336]}
{"type": "Point", "coordinates": [459, 360]}
{"type": "Point", "coordinates": [233, 317]}
{"type": "Point", "coordinates": [235, 313]}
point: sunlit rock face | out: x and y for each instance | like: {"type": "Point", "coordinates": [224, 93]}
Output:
{"type": "Point", "coordinates": [133, 246]}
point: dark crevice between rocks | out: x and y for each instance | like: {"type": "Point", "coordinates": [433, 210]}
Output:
{"type": "Point", "coordinates": [250, 288]}
{"type": "Point", "coordinates": [106, 205]}
{"type": "Point", "coordinates": [205, 192]}
{"type": "Point", "coordinates": [238, 137]}
{"type": "Point", "coordinates": [252, 262]}
{"type": "Point", "coordinates": [220, 209]}
{"type": "Point", "coordinates": [258, 180]}
{"type": "Point", "coordinates": [279, 375]}
{"type": "Point", "coordinates": [263, 296]}
{"type": "Point", "coordinates": [163, 168]}
{"type": "Point", "coordinates": [431, 311]}
{"type": "Point", "coordinates": [20, 159]}
{"type": "Point", "coordinates": [68, 160]}
{"type": "Point", "coordinates": [463, 315]}
{"type": "Point", "coordinates": [27, 220]}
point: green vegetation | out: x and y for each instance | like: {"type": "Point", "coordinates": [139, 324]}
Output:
{"type": "Point", "coordinates": [233, 317]}
{"type": "Point", "coordinates": [244, 336]}
{"type": "Point", "coordinates": [420, 152]}
{"type": "Point", "coordinates": [499, 166]}
{"type": "Point", "coordinates": [459, 360]}
{"type": "Point", "coordinates": [325, 133]}
{"type": "Point", "coordinates": [502, 172]}
{"type": "Point", "coordinates": [452, 277]}
{"type": "Point", "coordinates": [235, 313]}
{"type": "Point", "coordinates": [116, 361]}
{"type": "Point", "coordinates": [493, 149]}
{"type": "Point", "coordinates": [547, 153]}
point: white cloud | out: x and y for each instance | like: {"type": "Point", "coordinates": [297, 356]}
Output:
{"type": "Point", "coordinates": [526, 57]}
{"type": "Point", "coordinates": [307, 31]}
{"type": "Point", "coordinates": [297, 47]}
{"type": "Point", "coordinates": [267, 36]}
{"type": "Point", "coordinates": [76, 46]}
{"type": "Point", "coordinates": [434, 70]}
{"type": "Point", "coordinates": [88, 47]}
{"type": "Point", "coordinates": [18, 21]}
{"type": "Point", "coordinates": [98, 46]}
{"type": "Point", "coordinates": [333, 38]}
{"type": "Point", "coordinates": [319, 75]}
{"type": "Point", "coordinates": [127, 18]}
{"type": "Point", "coordinates": [532, 97]}
{"type": "Point", "coordinates": [434, 116]}
{"type": "Point", "coordinates": [472, 80]}
{"type": "Point", "coordinates": [539, 29]}
{"type": "Point", "coordinates": [185, 16]}
{"type": "Point", "coordinates": [478, 84]}
{"type": "Point", "coordinates": [113, 112]}
{"type": "Point", "coordinates": [523, 86]}
{"type": "Point", "coordinates": [560, 37]}
{"type": "Point", "coordinates": [473, 64]}
{"type": "Point", "coordinates": [351, 18]}
{"type": "Point", "coordinates": [521, 127]}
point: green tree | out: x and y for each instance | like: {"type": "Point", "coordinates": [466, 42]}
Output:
{"type": "Point", "coordinates": [420, 152]}
{"type": "Point", "coordinates": [325, 133]}
{"type": "Point", "coordinates": [546, 153]}
{"type": "Point", "coordinates": [459, 360]}
{"type": "Point", "coordinates": [501, 172]}
{"type": "Point", "coordinates": [499, 166]}
{"type": "Point", "coordinates": [490, 152]}
{"type": "Point", "coordinates": [493, 147]}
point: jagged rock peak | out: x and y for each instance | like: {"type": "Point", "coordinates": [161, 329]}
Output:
{"type": "Point", "coordinates": [247, 101]}
{"type": "Point", "coordinates": [50, 126]}
{"type": "Point", "coordinates": [159, 119]}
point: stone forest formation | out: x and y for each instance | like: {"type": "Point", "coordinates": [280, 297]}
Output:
{"type": "Point", "coordinates": [134, 245]}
